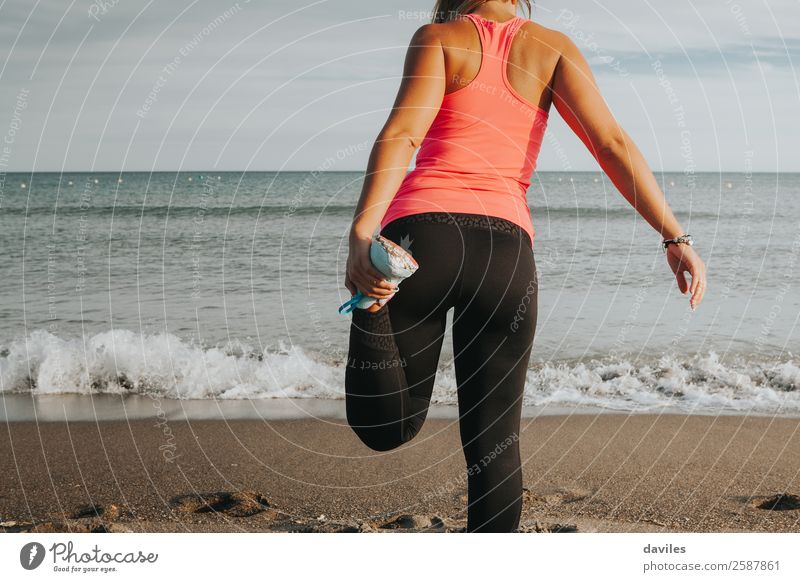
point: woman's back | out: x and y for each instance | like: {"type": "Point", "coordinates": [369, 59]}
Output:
{"type": "Point", "coordinates": [481, 149]}
{"type": "Point", "coordinates": [532, 56]}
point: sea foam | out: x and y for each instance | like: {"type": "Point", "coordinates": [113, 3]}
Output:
{"type": "Point", "coordinates": [122, 361]}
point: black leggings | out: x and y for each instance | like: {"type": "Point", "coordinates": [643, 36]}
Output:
{"type": "Point", "coordinates": [483, 267]}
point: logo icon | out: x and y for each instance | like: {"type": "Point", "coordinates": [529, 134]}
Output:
{"type": "Point", "coordinates": [31, 555]}
{"type": "Point", "coordinates": [405, 243]}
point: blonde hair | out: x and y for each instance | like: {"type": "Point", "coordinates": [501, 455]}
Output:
{"type": "Point", "coordinates": [447, 10]}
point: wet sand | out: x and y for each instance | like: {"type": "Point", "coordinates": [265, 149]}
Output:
{"type": "Point", "coordinates": [582, 473]}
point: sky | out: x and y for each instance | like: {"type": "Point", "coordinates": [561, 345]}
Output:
{"type": "Point", "coordinates": [136, 85]}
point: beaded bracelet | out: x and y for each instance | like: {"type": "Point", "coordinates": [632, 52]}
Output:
{"type": "Point", "coordinates": [683, 239]}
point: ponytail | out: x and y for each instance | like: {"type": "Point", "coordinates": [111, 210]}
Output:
{"type": "Point", "coordinates": [447, 10]}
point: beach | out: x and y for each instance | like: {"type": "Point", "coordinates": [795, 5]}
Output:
{"type": "Point", "coordinates": [172, 359]}
{"type": "Point", "coordinates": [606, 472]}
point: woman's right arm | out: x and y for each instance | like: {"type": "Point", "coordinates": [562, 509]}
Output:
{"type": "Point", "coordinates": [577, 98]}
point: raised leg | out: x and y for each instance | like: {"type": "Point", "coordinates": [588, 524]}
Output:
{"type": "Point", "coordinates": [394, 352]}
{"type": "Point", "coordinates": [388, 390]}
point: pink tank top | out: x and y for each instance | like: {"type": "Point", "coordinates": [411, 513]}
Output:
{"type": "Point", "coordinates": [481, 149]}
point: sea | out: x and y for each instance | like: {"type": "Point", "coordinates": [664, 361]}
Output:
{"type": "Point", "coordinates": [225, 287]}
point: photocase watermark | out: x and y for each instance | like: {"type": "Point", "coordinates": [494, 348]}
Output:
{"type": "Point", "coordinates": [172, 67]}
{"type": "Point", "coordinates": [169, 447]}
{"type": "Point", "coordinates": [679, 114]}
{"type": "Point", "coordinates": [10, 137]}
{"type": "Point", "coordinates": [739, 17]}
{"type": "Point", "coordinates": [472, 470]}
{"type": "Point", "coordinates": [382, 364]}
{"type": "Point", "coordinates": [65, 554]}
{"type": "Point", "coordinates": [327, 165]}
{"type": "Point", "coordinates": [522, 308]}
{"type": "Point", "coordinates": [548, 257]}
{"type": "Point", "coordinates": [665, 83]}
{"type": "Point", "coordinates": [682, 331]}
{"type": "Point", "coordinates": [555, 146]}
{"type": "Point", "coordinates": [526, 108]}
{"type": "Point", "coordinates": [416, 15]}
{"type": "Point", "coordinates": [82, 237]}
{"type": "Point", "coordinates": [330, 349]}
{"type": "Point", "coordinates": [20, 105]}
{"type": "Point", "coordinates": [746, 209]}
{"type": "Point", "coordinates": [788, 277]}
{"type": "Point", "coordinates": [52, 261]}
{"type": "Point", "coordinates": [66, 559]}
{"type": "Point", "coordinates": [31, 555]}
{"type": "Point", "coordinates": [101, 8]}
{"type": "Point", "coordinates": [197, 236]}
{"type": "Point", "coordinates": [620, 342]}
{"type": "Point", "coordinates": [569, 22]}
{"type": "Point", "coordinates": [474, 85]}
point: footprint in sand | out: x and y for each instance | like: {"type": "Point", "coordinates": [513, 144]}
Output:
{"type": "Point", "coordinates": [92, 518]}
{"type": "Point", "coordinates": [559, 496]}
{"type": "Point", "coordinates": [67, 526]}
{"type": "Point", "coordinates": [778, 502]}
{"type": "Point", "coordinates": [546, 527]}
{"type": "Point", "coordinates": [416, 523]}
{"type": "Point", "coordinates": [230, 503]}
{"type": "Point", "coordinates": [107, 512]}
{"type": "Point", "coordinates": [311, 525]}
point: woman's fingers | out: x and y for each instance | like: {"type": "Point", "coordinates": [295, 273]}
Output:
{"type": "Point", "coordinates": [364, 277]}
{"type": "Point", "coordinates": [375, 281]}
{"type": "Point", "coordinates": [699, 290]}
{"type": "Point", "coordinates": [375, 275]}
{"type": "Point", "coordinates": [680, 275]}
{"type": "Point", "coordinates": [688, 264]}
{"type": "Point", "coordinates": [366, 285]}
{"type": "Point", "coordinates": [695, 273]}
{"type": "Point", "coordinates": [369, 288]}
{"type": "Point", "coordinates": [697, 297]}
{"type": "Point", "coordinates": [349, 284]}
{"type": "Point", "coordinates": [693, 289]}
{"type": "Point", "coordinates": [698, 287]}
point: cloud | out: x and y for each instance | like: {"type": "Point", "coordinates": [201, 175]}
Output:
{"type": "Point", "coordinates": [774, 54]}
{"type": "Point", "coordinates": [275, 74]}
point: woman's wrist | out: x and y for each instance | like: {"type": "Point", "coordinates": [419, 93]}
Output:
{"type": "Point", "coordinates": [359, 234]}
{"type": "Point", "coordinates": [671, 231]}
{"type": "Point", "coordinates": [683, 239]}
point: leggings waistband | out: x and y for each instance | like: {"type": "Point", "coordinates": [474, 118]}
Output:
{"type": "Point", "coordinates": [465, 219]}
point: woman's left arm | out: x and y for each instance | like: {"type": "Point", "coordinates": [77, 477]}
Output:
{"type": "Point", "coordinates": [418, 101]}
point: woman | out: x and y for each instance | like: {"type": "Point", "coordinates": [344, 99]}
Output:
{"type": "Point", "coordinates": [478, 85]}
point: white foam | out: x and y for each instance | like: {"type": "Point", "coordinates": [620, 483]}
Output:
{"type": "Point", "coordinates": [122, 361]}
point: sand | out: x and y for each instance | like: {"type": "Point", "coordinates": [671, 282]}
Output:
{"type": "Point", "coordinates": [582, 473]}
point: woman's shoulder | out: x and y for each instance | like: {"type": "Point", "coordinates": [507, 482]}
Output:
{"type": "Point", "coordinates": [452, 33]}
{"type": "Point", "coordinates": [552, 37]}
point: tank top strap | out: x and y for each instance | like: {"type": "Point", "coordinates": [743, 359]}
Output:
{"type": "Point", "coordinates": [509, 32]}
{"type": "Point", "coordinates": [496, 40]}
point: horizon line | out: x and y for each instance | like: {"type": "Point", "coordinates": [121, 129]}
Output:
{"type": "Point", "coordinates": [196, 171]}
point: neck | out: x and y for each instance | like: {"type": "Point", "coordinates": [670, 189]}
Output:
{"type": "Point", "coordinates": [497, 10]}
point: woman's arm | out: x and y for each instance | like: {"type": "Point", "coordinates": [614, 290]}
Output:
{"type": "Point", "coordinates": [416, 105]}
{"type": "Point", "coordinates": [577, 98]}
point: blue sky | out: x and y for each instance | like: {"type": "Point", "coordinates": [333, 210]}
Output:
{"type": "Point", "coordinates": [296, 85]}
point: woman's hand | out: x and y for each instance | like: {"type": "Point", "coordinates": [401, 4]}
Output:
{"type": "Point", "coordinates": [682, 258]}
{"type": "Point", "coordinates": [361, 275]}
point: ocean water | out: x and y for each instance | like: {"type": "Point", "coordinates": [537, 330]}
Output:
{"type": "Point", "coordinates": [226, 286]}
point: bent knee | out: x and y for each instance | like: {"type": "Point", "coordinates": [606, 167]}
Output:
{"type": "Point", "coordinates": [385, 437]}
{"type": "Point", "coordinates": [378, 438]}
